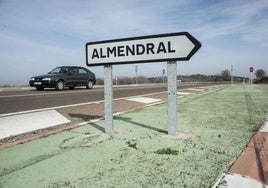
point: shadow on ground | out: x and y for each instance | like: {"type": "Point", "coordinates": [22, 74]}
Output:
{"type": "Point", "coordinates": [88, 118]}
{"type": "Point", "coordinates": [84, 116]}
{"type": "Point", "coordinates": [129, 120]}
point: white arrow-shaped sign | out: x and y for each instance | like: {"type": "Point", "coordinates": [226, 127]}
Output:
{"type": "Point", "coordinates": [155, 48]}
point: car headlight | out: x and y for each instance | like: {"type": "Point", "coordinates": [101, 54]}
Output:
{"type": "Point", "coordinates": [32, 79]}
{"type": "Point", "coordinates": [46, 79]}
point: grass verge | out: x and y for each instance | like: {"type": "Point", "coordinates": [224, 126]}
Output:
{"type": "Point", "coordinates": [222, 122]}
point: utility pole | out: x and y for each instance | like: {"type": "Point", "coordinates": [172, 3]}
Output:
{"type": "Point", "coordinates": [232, 76]}
{"type": "Point", "coordinates": [136, 70]}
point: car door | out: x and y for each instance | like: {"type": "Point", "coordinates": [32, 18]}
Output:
{"type": "Point", "coordinates": [72, 76]}
{"type": "Point", "coordinates": [82, 76]}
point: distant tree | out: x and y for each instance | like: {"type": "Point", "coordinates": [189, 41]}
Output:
{"type": "Point", "coordinates": [226, 75]}
{"type": "Point", "coordinates": [124, 80]}
{"type": "Point", "coordinates": [260, 73]}
{"type": "Point", "coordinates": [217, 78]}
{"type": "Point", "coordinates": [142, 80]}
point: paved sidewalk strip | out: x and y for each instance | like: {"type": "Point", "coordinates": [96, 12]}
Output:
{"type": "Point", "coordinates": [18, 124]}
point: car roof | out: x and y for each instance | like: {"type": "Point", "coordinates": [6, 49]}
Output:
{"type": "Point", "coordinates": [72, 67]}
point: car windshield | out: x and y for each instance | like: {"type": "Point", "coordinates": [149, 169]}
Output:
{"type": "Point", "coordinates": [59, 70]}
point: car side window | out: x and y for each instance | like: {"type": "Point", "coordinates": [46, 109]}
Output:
{"type": "Point", "coordinates": [55, 71]}
{"type": "Point", "coordinates": [82, 71]}
{"type": "Point", "coordinates": [64, 70]}
{"type": "Point", "coordinates": [73, 70]}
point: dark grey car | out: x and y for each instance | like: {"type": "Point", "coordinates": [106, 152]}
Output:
{"type": "Point", "coordinates": [64, 76]}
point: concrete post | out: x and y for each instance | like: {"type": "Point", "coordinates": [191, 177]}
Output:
{"type": "Point", "coordinates": [108, 98]}
{"type": "Point", "coordinates": [172, 97]}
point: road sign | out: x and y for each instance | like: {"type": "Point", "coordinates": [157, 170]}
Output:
{"type": "Point", "coordinates": [165, 47]}
{"type": "Point", "coordinates": [251, 69]}
{"type": "Point", "coordinates": [170, 47]}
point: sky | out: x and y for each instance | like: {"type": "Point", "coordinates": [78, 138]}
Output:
{"type": "Point", "coordinates": [37, 36]}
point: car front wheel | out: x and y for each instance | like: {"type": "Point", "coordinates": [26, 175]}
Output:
{"type": "Point", "coordinates": [89, 84]}
{"type": "Point", "coordinates": [60, 85]}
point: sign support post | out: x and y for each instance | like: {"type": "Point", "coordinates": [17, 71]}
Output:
{"type": "Point", "coordinates": [163, 75]}
{"type": "Point", "coordinates": [172, 97]}
{"type": "Point", "coordinates": [251, 69]}
{"type": "Point", "coordinates": [108, 98]}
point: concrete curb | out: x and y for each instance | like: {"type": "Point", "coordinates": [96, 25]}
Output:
{"type": "Point", "coordinates": [230, 180]}
{"type": "Point", "coordinates": [255, 173]}
{"type": "Point", "coordinates": [261, 147]}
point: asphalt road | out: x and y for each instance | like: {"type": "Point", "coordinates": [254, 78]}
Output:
{"type": "Point", "coordinates": [18, 101]}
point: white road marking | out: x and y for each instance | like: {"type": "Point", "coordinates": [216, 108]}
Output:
{"type": "Point", "coordinates": [45, 109]}
{"type": "Point", "coordinates": [145, 100]}
{"type": "Point", "coordinates": [183, 93]}
{"type": "Point", "coordinates": [195, 89]}
{"type": "Point", "coordinates": [71, 105]}
{"type": "Point", "coordinates": [44, 94]}
{"type": "Point", "coordinates": [53, 92]}
{"type": "Point", "coordinates": [14, 125]}
{"type": "Point", "coordinates": [79, 104]}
